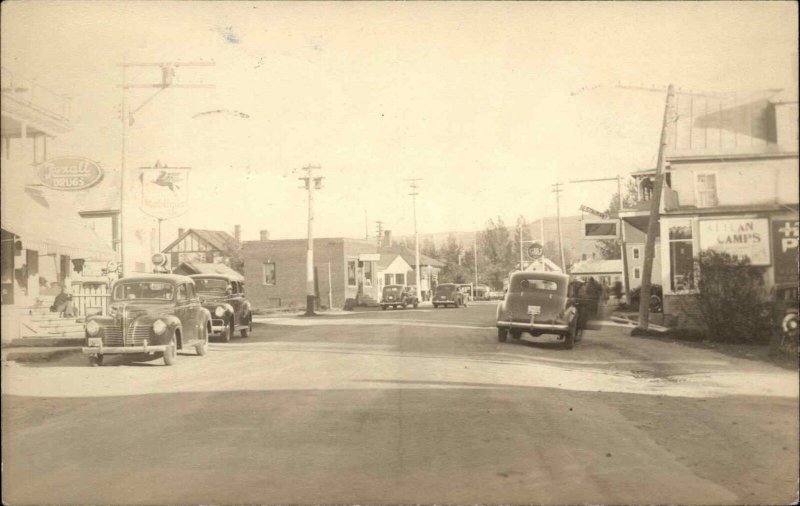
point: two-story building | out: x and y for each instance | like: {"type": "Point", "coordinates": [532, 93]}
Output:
{"type": "Point", "coordinates": [732, 186]}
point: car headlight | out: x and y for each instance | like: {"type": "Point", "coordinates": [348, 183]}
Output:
{"type": "Point", "coordinates": [219, 312]}
{"type": "Point", "coordinates": [790, 322]}
{"type": "Point", "coordinates": [159, 327]}
{"type": "Point", "coordinates": [92, 328]}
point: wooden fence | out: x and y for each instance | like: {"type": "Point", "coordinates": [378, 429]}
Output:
{"type": "Point", "coordinates": [90, 298]}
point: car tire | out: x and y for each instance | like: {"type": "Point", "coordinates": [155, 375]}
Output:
{"type": "Point", "coordinates": [436, 306]}
{"type": "Point", "coordinates": [96, 360]}
{"type": "Point", "coordinates": [569, 337]}
{"type": "Point", "coordinates": [516, 334]}
{"type": "Point", "coordinates": [245, 332]}
{"type": "Point", "coordinates": [202, 348]}
{"type": "Point", "coordinates": [502, 335]}
{"type": "Point", "coordinates": [227, 334]}
{"type": "Point", "coordinates": [171, 353]}
{"type": "Point", "coordinates": [416, 304]}
{"type": "Point", "coordinates": [405, 305]}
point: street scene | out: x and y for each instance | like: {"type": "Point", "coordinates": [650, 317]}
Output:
{"type": "Point", "coordinates": [400, 253]}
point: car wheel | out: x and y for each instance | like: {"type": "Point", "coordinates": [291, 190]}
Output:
{"type": "Point", "coordinates": [502, 335]}
{"type": "Point", "coordinates": [383, 308]}
{"type": "Point", "coordinates": [202, 348]}
{"type": "Point", "coordinates": [245, 332]}
{"type": "Point", "coordinates": [171, 353]}
{"type": "Point", "coordinates": [516, 334]}
{"type": "Point", "coordinates": [227, 334]}
{"type": "Point", "coordinates": [405, 305]}
{"type": "Point", "coordinates": [95, 360]}
{"type": "Point", "coordinates": [416, 304]}
{"type": "Point", "coordinates": [436, 306]}
{"type": "Point", "coordinates": [569, 337]}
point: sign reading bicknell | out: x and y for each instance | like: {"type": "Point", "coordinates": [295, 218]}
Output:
{"type": "Point", "coordinates": [741, 238]}
{"type": "Point", "coordinates": [69, 173]}
{"type": "Point", "coordinates": [165, 191]}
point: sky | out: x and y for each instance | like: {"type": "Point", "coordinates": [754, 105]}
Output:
{"type": "Point", "coordinates": [488, 103]}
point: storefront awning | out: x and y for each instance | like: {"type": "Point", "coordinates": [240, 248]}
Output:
{"type": "Point", "coordinates": [50, 229]}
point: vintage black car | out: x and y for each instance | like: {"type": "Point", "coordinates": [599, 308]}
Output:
{"type": "Point", "coordinates": [449, 294]}
{"type": "Point", "coordinates": [149, 316]}
{"type": "Point", "coordinates": [784, 310]}
{"type": "Point", "coordinates": [223, 296]}
{"type": "Point", "coordinates": [398, 296]}
{"type": "Point", "coordinates": [540, 303]}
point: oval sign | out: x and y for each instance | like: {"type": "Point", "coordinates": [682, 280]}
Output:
{"type": "Point", "coordinates": [70, 173]}
{"type": "Point", "coordinates": [535, 250]}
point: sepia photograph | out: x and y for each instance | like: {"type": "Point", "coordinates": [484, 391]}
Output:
{"type": "Point", "coordinates": [367, 253]}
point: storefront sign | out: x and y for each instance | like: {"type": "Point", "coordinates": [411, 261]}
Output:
{"type": "Point", "coordinates": [165, 191]}
{"type": "Point", "coordinates": [784, 250]}
{"type": "Point", "coordinates": [601, 229]}
{"type": "Point", "coordinates": [69, 173]}
{"type": "Point", "coordinates": [738, 237]}
{"type": "Point", "coordinates": [369, 257]}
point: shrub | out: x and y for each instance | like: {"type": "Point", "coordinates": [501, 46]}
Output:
{"type": "Point", "coordinates": [732, 299]}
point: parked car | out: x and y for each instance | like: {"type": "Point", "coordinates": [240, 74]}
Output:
{"type": "Point", "coordinates": [482, 292]}
{"type": "Point", "coordinates": [149, 316]}
{"type": "Point", "coordinates": [540, 303]}
{"type": "Point", "coordinates": [223, 296]}
{"type": "Point", "coordinates": [399, 296]}
{"type": "Point", "coordinates": [449, 294]}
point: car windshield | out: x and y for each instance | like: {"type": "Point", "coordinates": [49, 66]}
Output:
{"type": "Point", "coordinates": [445, 289]}
{"type": "Point", "coordinates": [210, 285]}
{"type": "Point", "coordinates": [159, 290]}
{"type": "Point", "coordinates": [537, 285]}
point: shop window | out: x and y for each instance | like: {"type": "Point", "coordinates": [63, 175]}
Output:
{"type": "Point", "coordinates": [351, 273]}
{"type": "Point", "coordinates": [269, 273]}
{"type": "Point", "coordinates": [706, 185]}
{"type": "Point", "coordinates": [681, 257]}
{"type": "Point", "coordinates": [637, 273]}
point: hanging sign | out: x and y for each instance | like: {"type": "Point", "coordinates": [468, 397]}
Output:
{"type": "Point", "coordinates": [69, 173]}
{"type": "Point", "coordinates": [785, 235]}
{"type": "Point", "coordinates": [738, 237]}
{"type": "Point", "coordinates": [587, 209]}
{"type": "Point", "coordinates": [165, 191]}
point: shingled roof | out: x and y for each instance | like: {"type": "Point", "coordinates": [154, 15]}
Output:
{"type": "Point", "coordinates": [218, 239]}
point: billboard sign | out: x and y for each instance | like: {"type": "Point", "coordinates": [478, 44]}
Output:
{"type": "Point", "coordinates": [165, 191]}
{"type": "Point", "coordinates": [739, 237]}
{"type": "Point", "coordinates": [784, 250]}
{"type": "Point", "coordinates": [600, 229]}
{"type": "Point", "coordinates": [69, 173]}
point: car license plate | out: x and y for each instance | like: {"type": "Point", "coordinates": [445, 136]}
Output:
{"type": "Point", "coordinates": [534, 310]}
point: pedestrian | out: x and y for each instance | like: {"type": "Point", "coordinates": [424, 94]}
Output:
{"type": "Point", "coordinates": [63, 303]}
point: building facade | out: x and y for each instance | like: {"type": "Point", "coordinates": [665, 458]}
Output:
{"type": "Point", "coordinates": [275, 271]}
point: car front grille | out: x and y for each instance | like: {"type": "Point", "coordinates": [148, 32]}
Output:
{"type": "Point", "coordinates": [137, 334]}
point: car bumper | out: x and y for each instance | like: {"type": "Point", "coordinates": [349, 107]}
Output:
{"type": "Point", "coordinates": [217, 327]}
{"type": "Point", "coordinates": [124, 350]}
{"type": "Point", "coordinates": [552, 327]}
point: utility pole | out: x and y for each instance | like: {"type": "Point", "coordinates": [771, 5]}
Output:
{"type": "Point", "coordinates": [475, 250]}
{"type": "Point", "coordinates": [167, 81]}
{"type": "Point", "coordinates": [541, 237]}
{"type": "Point", "coordinates": [653, 222]}
{"type": "Point", "coordinates": [311, 183]}
{"type": "Point", "coordinates": [414, 187]}
{"type": "Point", "coordinates": [622, 252]}
{"type": "Point", "coordinates": [366, 226]}
{"type": "Point", "coordinates": [557, 189]}
{"type": "Point", "coordinates": [521, 245]}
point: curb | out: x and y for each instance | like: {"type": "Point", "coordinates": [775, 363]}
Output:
{"type": "Point", "coordinates": [37, 354]}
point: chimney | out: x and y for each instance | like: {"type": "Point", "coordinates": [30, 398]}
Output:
{"type": "Point", "coordinates": [387, 238]}
{"type": "Point", "coordinates": [181, 231]}
{"type": "Point", "coordinates": [237, 233]}
{"type": "Point", "coordinates": [265, 235]}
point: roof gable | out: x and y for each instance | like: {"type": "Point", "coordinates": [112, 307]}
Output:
{"type": "Point", "coordinates": [217, 239]}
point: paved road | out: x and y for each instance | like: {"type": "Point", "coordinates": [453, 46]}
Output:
{"type": "Point", "coordinates": [415, 406]}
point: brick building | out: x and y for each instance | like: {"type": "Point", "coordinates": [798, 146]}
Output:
{"type": "Point", "coordinates": [275, 271]}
